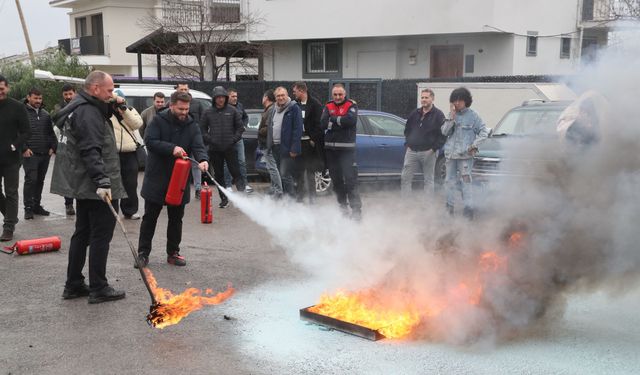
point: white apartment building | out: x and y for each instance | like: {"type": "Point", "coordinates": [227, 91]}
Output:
{"type": "Point", "coordinates": [362, 39]}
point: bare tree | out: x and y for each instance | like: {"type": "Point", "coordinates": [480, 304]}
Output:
{"type": "Point", "coordinates": [625, 9]}
{"type": "Point", "coordinates": [210, 31]}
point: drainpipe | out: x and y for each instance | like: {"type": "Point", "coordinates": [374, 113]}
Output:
{"type": "Point", "coordinates": [247, 38]}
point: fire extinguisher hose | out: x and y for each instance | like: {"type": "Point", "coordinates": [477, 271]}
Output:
{"type": "Point", "coordinates": [134, 253]}
{"type": "Point", "coordinates": [208, 174]}
{"type": "Point", "coordinates": [8, 249]}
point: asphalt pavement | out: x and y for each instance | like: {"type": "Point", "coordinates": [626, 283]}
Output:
{"type": "Point", "coordinates": [42, 333]}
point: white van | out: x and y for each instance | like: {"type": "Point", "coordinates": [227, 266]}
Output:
{"type": "Point", "coordinates": [140, 95]}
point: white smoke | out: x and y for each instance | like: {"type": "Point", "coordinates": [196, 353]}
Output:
{"type": "Point", "coordinates": [579, 219]}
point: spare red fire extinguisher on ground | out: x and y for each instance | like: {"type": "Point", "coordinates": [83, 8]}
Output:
{"type": "Point", "coordinates": [178, 182]}
{"type": "Point", "coordinates": [38, 245]}
{"type": "Point", "coordinates": [206, 211]}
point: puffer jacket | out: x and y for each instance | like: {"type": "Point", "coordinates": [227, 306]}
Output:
{"type": "Point", "coordinates": [125, 141]}
{"type": "Point", "coordinates": [466, 131]}
{"type": "Point", "coordinates": [221, 127]}
{"type": "Point", "coordinates": [42, 136]}
{"type": "Point", "coordinates": [87, 158]}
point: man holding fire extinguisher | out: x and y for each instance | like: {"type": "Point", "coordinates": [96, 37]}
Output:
{"type": "Point", "coordinates": [171, 134]}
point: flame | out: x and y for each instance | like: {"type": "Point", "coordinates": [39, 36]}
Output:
{"type": "Point", "coordinates": [396, 314]}
{"type": "Point", "coordinates": [170, 308]}
{"type": "Point", "coordinates": [364, 309]}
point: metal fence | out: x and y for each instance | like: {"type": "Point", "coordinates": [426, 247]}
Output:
{"type": "Point", "coordinates": [397, 96]}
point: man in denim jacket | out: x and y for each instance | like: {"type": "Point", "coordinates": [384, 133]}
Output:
{"type": "Point", "coordinates": [464, 130]}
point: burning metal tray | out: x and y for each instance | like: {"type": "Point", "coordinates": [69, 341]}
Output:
{"type": "Point", "coordinates": [340, 325]}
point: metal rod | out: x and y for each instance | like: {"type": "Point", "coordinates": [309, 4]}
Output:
{"type": "Point", "coordinates": [133, 252]}
{"type": "Point", "coordinates": [208, 175]}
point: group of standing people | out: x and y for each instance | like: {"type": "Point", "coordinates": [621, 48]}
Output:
{"type": "Point", "coordinates": [427, 130]}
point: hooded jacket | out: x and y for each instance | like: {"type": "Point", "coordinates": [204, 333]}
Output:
{"type": "Point", "coordinates": [162, 135]}
{"type": "Point", "coordinates": [42, 136]}
{"type": "Point", "coordinates": [221, 127]}
{"type": "Point", "coordinates": [87, 157]}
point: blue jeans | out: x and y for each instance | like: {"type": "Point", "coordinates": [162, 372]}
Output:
{"type": "Point", "coordinates": [459, 170]}
{"type": "Point", "coordinates": [274, 174]}
{"type": "Point", "coordinates": [242, 160]}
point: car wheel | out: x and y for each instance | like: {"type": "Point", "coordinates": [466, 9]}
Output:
{"type": "Point", "coordinates": [323, 182]}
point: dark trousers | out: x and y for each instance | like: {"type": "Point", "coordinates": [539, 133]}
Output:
{"type": "Point", "coordinates": [68, 201]}
{"type": "Point", "coordinates": [344, 177]}
{"type": "Point", "coordinates": [129, 173]}
{"type": "Point", "coordinates": [9, 177]}
{"type": "Point", "coordinates": [306, 178]}
{"type": "Point", "coordinates": [94, 228]}
{"type": "Point", "coordinates": [148, 227]}
{"type": "Point", "coordinates": [35, 169]}
{"type": "Point", "coordinates": [231, 157]}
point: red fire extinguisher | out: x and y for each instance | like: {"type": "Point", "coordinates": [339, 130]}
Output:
{"type": "Point", "coordinates": [178, 182]}
{"type": "Point", "coordinates": [38, 245]}
{"type": "Point", "coordinates": [206, 211]}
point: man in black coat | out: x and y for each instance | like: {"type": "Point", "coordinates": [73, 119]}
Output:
{"type": "Point", "coordinates": [221, 128]}
{"type": "Point", "coordinates": [87, 168]}
{"type": "Point", "coordinates": [14, 131]}
{"type": "Point", "coordinates": [171, 134]}
{"type": "Point", "coordinates": [36, 152]}
{"type": "Point", "coordinates": [312, 141]}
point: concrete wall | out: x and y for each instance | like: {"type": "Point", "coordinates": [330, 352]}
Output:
{"type": "Point", "coordinates": [291, 19]}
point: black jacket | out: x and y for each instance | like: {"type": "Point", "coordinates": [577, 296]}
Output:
{"type": "Point", "coordinates": [42, 136]}
{"type": "Point", "coordinates": [423, 133]}
{"type": "Point", "coordinates": [245, 117]}
{"type": "Point", "coordinates": [87, 157]}
{"type": "Point", "coordinates": [339, 121]}
{"type": "Point", "coordinates": [163, 134]}
{"type": "Point", "coordinates": [221, 128]}
{"type": "Point", "coordinates": [263, 129]}
{"type": "Point", "coordinates": [14, 130]}
{"type": "Point", "coordinates": [312, 115]}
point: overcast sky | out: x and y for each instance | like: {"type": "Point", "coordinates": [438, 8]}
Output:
{"type": "Point", "coordinates": [46, 25]}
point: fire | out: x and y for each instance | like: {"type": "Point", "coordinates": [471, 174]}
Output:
{"type": "Point", "coordinates": [396, 314]}
{"type": "Point", "coordinates": [170, 308]}
{"type": "Point", "coordinates": [364, 309]}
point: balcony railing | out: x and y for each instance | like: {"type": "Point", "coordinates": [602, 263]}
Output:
{"type": "Point", "coordinates": [194, 12]}
{"type": "Point", "coordinates": [85, 45]}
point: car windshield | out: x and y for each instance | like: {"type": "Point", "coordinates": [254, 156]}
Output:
{"type": "Point", "coordinates": [254, 120]}
{"type": "Point", "coordinates": [520, 122]}
{"type": "Point", "coordinates": [385, 125]}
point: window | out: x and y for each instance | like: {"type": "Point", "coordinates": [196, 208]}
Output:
{"type": "Point", "coordinates": [385, 125]}
{"type": "Point", "coordinates": [565, 47]}
{"type": "Point", "coordinates": [323, 57]}
{"type": "Point", "coordinates": [96, 25]}
{"type": "Point", "coordinates": [81, 27]}
{"type": "Point", "coordinates": [469, 61]}
{"type": "Point", "coordinates": [532, 43]}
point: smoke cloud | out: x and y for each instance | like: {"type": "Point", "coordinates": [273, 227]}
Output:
{"type": "Point", "coordinates": [571, 229]}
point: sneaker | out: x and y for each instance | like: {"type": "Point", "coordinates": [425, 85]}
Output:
{"type": "Point", "coordinates": [39, 210]}
{"type": "Point", "coordinates": [198, 194]}
{"type": "Point", "coordinates": [106, 294]}
{"type": "Point", "coordinates": [69, 210]}
{"type": "Point", "coordinates": [28, 214]}
{"type": "Point", "coordinates": [176, 259]}
{"type": "Point", "coordinates": [248, 189]}
{"type": "Point", "coordinates": [132, 217]}
{"type": "Point", "coordinates": [224, 203]}
{"type": "Point", "coordinates": [7, 235]}
{"type": "Point", "coordinates": [142, 260]}
{"type": "Point", "coordinates": [75, 292]}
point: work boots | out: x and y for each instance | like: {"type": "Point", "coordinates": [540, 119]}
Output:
{"type": "Point", "coordinates": [7, 235]}
{"type": "Point", "coordinates": [39, 210]}
{"type": "Point", "coordinates": [69, 209]}
{"type": "Point", "coordinates": [28, 214]}
{"type": "Point", "coordinates": [75, 292]}
{"type": "Point", "coordinates": [106, 294]}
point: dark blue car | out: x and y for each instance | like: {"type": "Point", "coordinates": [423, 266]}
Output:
{"type": "Point", "coordinates": [379, 149]}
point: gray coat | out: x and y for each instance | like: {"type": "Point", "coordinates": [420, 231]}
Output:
{"type": "Point", "coordinates": [87, 158]}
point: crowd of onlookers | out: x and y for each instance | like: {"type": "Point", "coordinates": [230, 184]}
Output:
{"type": "Point", "coordinates": [100, 138]}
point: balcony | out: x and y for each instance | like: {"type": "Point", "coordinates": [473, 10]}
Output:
{"type": "Point", "coordinates": [85, 45]}
{"type": "Point", "coordinates": [184, 13]}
